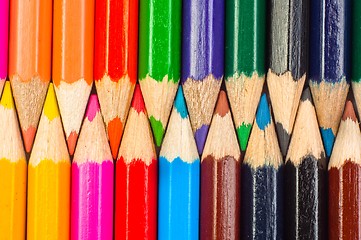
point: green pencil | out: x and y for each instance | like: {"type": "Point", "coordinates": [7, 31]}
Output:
{"type": "Point", "coordinates": [356, 52]}
{"type": "Point", "coordinates": [159, 59]}
{"type": "Point", "coordinates": [245, 61]}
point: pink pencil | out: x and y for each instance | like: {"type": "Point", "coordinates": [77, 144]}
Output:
{"type": "Point", "coordinates": [4, 27]}
{"type": "Point", "coordinates": [92, 180]}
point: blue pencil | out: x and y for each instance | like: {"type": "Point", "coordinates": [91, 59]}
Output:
{"type": "Point", "coordinates": [202, 61]}
{"type": "Point", "coordinates": [262, 177]}
{"type": "Point", "coordinates": [179, 169]}
{"type": "Point", "coordinates": [329, 64]}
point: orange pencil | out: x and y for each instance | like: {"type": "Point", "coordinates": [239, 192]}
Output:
{"type": "Point", "coordinates": [30, 60]}
{"type": "Point", "coordinates": [12, 171]}
{"type": "Point", "coordinates": [73, 38]}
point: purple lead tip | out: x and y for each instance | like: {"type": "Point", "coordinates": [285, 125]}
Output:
{"type": "Point", "coordinates": [201, 136]}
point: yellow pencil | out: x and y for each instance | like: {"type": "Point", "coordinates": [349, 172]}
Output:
{"type": "Point", "coordinates": [12, 171]}
{"type": "Point", "coordinates": [49, 177]}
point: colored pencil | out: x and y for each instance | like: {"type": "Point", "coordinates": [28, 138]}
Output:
{"type": "Point", "coordinates": [329, 64]}
{"type": "Point", "coordinates": [92, 179]}
{"type": "Point", "coordinates": [30, 61]}
{"type": "Point", "coordinates": [12, 171]}
{"type": "Point", "coordinates": [344, 174]}
{"type": "Point", "coordinates": [179, 170]}
{"type": "Point", "coordinates": [136, 177]}
{"type": "Point", "coordinates": [159, 59]}
{"type": "Point", "coordinates": [306, 177]}
{"type": "Point", "coordinates": [220, 177]}
{"type": "Point", "coordinates": [288, 62]}
{"type": "Point", "coordinates": [73, 39]}
{"type": "Point", "coordinates": [262, 180]}
{"type": "Point", "coordinates": [115, 63]}
{"type": "Point", "coordinates": [202, 62]}
{"type": "Point", "coordinates": [4, 31]}
{"type": "Point", "coordinates": [245, 42]}
{"type": "Point", "coordinates": [49, 177]}
{"type": "Point", "coordinates": [356, 53]}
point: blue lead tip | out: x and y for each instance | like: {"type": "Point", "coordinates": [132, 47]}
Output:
{"type": "Point", "coordinates": [328, 139]}
{"type": "Point", "coordinates": [180, 104]}
{"type": "Point", "coordinates": [263, 116]}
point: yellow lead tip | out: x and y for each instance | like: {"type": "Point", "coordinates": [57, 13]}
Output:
{"type": "Point", "coordinates": [7, 98]}
{"type": "Point", "coordinates": [51, 106]}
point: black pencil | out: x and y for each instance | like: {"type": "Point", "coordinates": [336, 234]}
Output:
{"type": "Point", "coordinates": [305, 175]}
{"type": "Point", "coordinates": [288, 62]}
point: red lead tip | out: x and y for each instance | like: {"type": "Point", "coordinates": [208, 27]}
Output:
{"type": "Point", "coordinates": [138, 102]}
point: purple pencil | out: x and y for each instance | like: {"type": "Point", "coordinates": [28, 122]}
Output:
{"type": "Point", "coordinates": [202, 61]}
{"type": "Point", "coordinates": [4, 27]}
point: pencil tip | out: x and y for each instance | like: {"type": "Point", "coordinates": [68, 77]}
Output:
{"type": "Point", "coordinates": [138, 102]}
{"type": "Point", "coordinates": [158, 130]}
{"type": "Point", "coordinates": [263, 115]}
{"type": "Point", "coordinates": [50, 105]}
{"type": "Point", "coordinates": [7, 98]}
{"type": "Point", "coordinates": [306, 95]}
{"type": "Point", "coordinates": [284, 138]}
{"type": "Point", "coordinates": [222, 107]}
{"type": "Point", "coordinates": [243, 133]}
{"type": "Point", "coordinates": [71, 141]}
{"type": "Point", "coordinates": [28, 136]}
{"type": "Point", "coordinates": [180, 104]}
{"type": "Point", "coordinates": [201, 135]}
{"type": "Point", "coordinates": [93, 107]}
{"type": "Point", "coordinates": [328, 140]}
{"type": "Point", "coordinates": [115, 131]}
{"type": "Point", "coordinates": [349, 112]}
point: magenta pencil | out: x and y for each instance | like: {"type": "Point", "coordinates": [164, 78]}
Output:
{"type": "Point", "coordinates": [4, 27]}
{"type": "Point", "coordinates": [92, 180]}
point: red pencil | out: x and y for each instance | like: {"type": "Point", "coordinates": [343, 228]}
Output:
{"type": "Point", "coordinates": [136, 177]}
{"type": "Point", "coordinates": [115, 62]}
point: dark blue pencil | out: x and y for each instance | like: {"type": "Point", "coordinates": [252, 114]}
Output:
{"type": "Point", "coordinates": [179, 169]}
{"type": "Point", "coordinates": [262, 178]}
{"type": "Point", "coordinates": [329, 64]}
{"type": "Point", "coordinates": [202, 61]}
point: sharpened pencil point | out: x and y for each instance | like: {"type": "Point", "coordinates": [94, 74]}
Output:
{"type": "Point", "coordinates": [263, 116]}
{"type": "Point", "coordinates": [28, 135]}
{"type": "Point", "coordinates": [349, 112]}
{"type": "Point", "coordinates": [7, 98]}
{"type": "Point", "coordinates": [115, 129]}
{"type": "Point", "coordinates": [71, 142]}
{"type": "Point", "coordinates": [222, 107]}
{"type": "Point", "coordinates": [138, 102]}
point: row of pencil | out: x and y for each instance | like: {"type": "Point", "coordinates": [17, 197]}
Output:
{"type": "Point", "coordinates": [179, 196]}
{"type": "Point", "coordinates": [197, 43]}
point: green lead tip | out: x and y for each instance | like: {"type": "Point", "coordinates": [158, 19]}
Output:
{"type": "Point", "coordinates": [158, 130]}
{"type": "Point", "coordinates": [243, 133]}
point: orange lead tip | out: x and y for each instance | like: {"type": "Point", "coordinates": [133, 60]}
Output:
{"type": "Point", "coordinates": [28, 136]}
{"type": "Point", "coordinates": [71, 141]}
{"type": "Point", "coordinates": [349, 112]}
{"type": "Point", "coordinates": [115, 129]}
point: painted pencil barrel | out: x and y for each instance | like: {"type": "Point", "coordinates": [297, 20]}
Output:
{"type": "Point", "coordinates": [262, 202]}
{"type": "Point", "coordinates": [202, 61]}
{"type": "Point", "coordinates": [92, 200]}
{"type": "Point", "coordinates": [306, 199]}
{"type": "Point", "coordinates": [220, 205]}
{"type": "Point", "coordinates": [356, 52]}
{"type": "Point", "coordinates": [4, 30]}
{"type": "Point", "coordinates": [178, 201]}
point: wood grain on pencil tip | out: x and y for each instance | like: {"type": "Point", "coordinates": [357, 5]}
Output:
{"type": "Point", "coordinates": [262, 180]}
{"type": "Point", "coordinates": [220, 177]}
{"type": "Point", "coordinates": [30, 61]}
{"type": "Point", "coordinates": [92, 179]}
{"type": "Point", "coordinates": [49, 177]}
{"type": "Point", "coordinates": [306, 177]}
{"type": "Point", "coordinates": [12, 171]}
{"type": "Point", "coordinates": [115, 62]}
{"type": "Point", "coordinates": [179, 172]}
{"type": "Point", "coordinates": [245, 42]}
{"type": "Point", "coordinates": [344, 171]}
{"type": "Point", "coordinates": [136, 177]}
{"type": "Point", "coordinates": [4, 32]}
{"type": "Point", "coordinates": [159, 59]}
{"type": "Point", "coordinates": [73, 62]}
{"type": "Point", "coordinates": [202, 61]}
{"type": "Point", "coordinates": [288, 62]}
{"type": "Point", "coordinates": [329, 64]}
